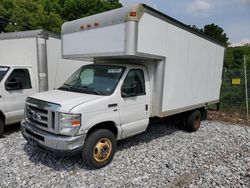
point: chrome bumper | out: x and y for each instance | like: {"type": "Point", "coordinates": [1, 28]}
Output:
{"type": "Point", "coordinates": [62, 145]}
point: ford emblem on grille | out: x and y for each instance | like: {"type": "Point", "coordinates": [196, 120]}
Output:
{"type": "Point", "coordinates": [36, 116]}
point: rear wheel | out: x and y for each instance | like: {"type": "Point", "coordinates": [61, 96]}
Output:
{"type": "Point", "coordinates": [99, 148]}
{"type": "Point", "coordinates": [1, 127]}
{"type": "Point", "coordinates": [193, 121]}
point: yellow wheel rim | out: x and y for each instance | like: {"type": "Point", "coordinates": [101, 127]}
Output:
{"type": "Point", "coordinates": [102, 150]}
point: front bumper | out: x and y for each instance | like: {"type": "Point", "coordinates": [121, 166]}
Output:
{"type": "Point", "coordinates": [56, 144]}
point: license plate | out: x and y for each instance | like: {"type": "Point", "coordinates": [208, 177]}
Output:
{"type": "Point", "coordinates": [33, 142]}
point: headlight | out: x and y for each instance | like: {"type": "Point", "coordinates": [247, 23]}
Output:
{"type": "Point", "coordinates": [69, 124]}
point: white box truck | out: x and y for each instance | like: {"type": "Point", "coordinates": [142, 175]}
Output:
{"type": "Point", "coordinates": [146, 64]}
{"type": "Point", "coordinates": [30, 62]}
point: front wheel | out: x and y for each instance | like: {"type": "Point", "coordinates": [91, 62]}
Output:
{"type": "Point", "coordinates": [99, 148]}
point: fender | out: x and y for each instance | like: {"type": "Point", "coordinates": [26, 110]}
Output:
{"type": "Point", "coordinates": [90, 120]}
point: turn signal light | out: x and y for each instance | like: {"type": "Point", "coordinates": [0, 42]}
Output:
{"type": "Point", "coordinates": [133, 14]}
{"type": "Point", "coordinates": [75, 123]}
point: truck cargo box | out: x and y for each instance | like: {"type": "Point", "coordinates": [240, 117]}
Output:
{"type": "Point", "coordinates": [187, 65]}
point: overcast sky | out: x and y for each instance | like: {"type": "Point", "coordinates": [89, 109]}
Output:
{"type": "Point", "coordinates": [231, 15]}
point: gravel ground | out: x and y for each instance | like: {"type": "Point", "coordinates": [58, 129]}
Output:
{"type": "Point", "coordinates": [216, 155]}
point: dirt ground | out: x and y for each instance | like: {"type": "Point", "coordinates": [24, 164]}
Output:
{"type": "Point", "coordinates": [228, 117]}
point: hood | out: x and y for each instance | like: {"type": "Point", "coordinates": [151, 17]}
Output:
{"type": "Point", "coordinates": [66, 99]}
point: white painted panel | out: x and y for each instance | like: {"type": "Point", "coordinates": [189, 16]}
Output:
{"type": "Point", "coordinates": [193, 70]}
{"type": "Point", "coordinates": [18, 52]}
{"type": "Point", "coordinates": [59, 69]}
{"type": "Point", "coordinates": [193, 65]}
{"type": "Point", "coordinates": [101, 40]}
{"type": "Point", "coordinates": [53, 57]}
{"type": "Point", "coordinates": [66, 68]}
{"type": "Point", "coordinates": [152, 35]}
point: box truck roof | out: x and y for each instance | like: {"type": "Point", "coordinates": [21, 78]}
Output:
{"type": "Point", "coordinates": [16, 66]}
{"type": "Point", "coordinates": [29, 34]}
{"type": "Point", "coordinates": [121, 15]}
{"type": "Point", "coordinates": [137, 31]}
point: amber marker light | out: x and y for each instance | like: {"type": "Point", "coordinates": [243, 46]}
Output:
{"type": "Point", "coordinates": [133, 14]}
{"type": "Point", "coordinates": [97, 24]}
{"type": "Point", "coordinates": [75, 123]}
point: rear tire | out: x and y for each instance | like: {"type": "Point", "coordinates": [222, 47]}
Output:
{"type": "Point", "coordinates": [99, 148]}
{"type": "Point", "coordinates": [193, 121]}
{"type": "Point", "coordinates": [1, 127]}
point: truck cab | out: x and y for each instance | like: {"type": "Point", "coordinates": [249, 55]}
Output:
{"type": "Point", "coordinates": [111, 96]}
{"type": "Point", "coordinates": [16, 84]}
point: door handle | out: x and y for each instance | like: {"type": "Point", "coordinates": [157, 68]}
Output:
{"type": "Point", "coordinates": [112, 105]}
{"type": "Point", "coordinates": [146, 107]}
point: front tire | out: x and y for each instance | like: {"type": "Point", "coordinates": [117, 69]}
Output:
{"type": "Point", "coordinates": [99, 148]}
{"type": "Point", "coordinates": [1, 127]}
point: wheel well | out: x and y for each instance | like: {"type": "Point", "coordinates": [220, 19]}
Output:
{"type": "Point", "coordinates": [109, 125]}
{"type": "Point", "coordinates": [2, 117]}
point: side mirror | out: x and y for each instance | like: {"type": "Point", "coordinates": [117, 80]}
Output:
{"type": "Point", "coordinates": [13, 84]}
{"type": "Point", "coordinates": [130, 91]}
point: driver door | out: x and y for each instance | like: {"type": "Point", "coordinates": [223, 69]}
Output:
{"type": "Point", "coordinates": [17, 87]}
{"type": "Point", "coordinates": [134, 102]}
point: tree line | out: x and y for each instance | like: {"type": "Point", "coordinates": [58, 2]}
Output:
{"type": "Point", "coordinates": [213, 31]}
{"type": "Point", "coordinates": [21, 15]}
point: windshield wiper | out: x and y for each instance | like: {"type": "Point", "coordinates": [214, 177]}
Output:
{"type": "Point", "coordinates": [92, 90]}
{"type": "Point", "coordinates": [67, 88]}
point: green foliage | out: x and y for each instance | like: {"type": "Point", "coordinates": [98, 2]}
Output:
{"type": "Point", "coordinates": [234, 57]}
{"type": "Point", "coordinates": [213, 31]}
{"type": "Point", "coordinates": [233, 96]}
{"type": "Point", "coordinates": [73, 9]}
{"type": "Point", "coordinates": [20, 15]}
{"type": "Point", "coordinates": [28, 15]}
{"type": "Point", "coordinates": [216, 32]}
{"type": "Point", "coordinates": [195, 28]}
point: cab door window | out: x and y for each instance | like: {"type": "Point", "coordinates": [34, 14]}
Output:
{"type": "Point", "coordinates": [18, 79]}
{"type": "Point", "coordinates": [134, 84]}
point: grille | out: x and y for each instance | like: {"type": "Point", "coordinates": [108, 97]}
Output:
{"type": "Point", "coordinates": [38, 116]}
{"type": "Point", "coordinates": [42, 115]}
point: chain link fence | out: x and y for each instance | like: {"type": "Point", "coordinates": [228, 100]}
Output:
{"type": "Point", "coordinates": [233, 93]}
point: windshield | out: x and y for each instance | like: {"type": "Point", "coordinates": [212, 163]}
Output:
{"type": "Point", "coordinates": [3, 71]}
{"type": "Point", "coordinates": [94, 79]}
